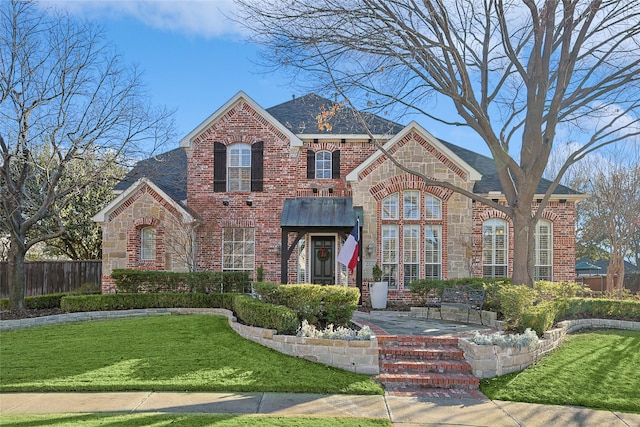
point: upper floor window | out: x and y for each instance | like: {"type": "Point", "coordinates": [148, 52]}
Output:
{"type": "Point", "coordinates": [494, 248]}
{"type": "Point", "coordinates": [432, 207]}
{"type": "Point", "coordinates": [544, 250]}
{"type": "Point", "coordinates": [239, 167]}
{"type": "Point", "coordinates": [323, 165]}
{"type": "Point", "coordinates": [147, 243]}
{"type": "Point", "coordinates": [411, 206]}
{"type": "Point", "coordinates": [390, 207]}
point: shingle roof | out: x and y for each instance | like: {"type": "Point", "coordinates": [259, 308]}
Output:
{"type": "Point", "coordinates": [167, 170]}
{"type": "Point", "coordinates": [300, 116]}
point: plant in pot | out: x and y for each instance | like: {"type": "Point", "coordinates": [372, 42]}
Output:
{"type": "Point", "coordinates": [378, 289]}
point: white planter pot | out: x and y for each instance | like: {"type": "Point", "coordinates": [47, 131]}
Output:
{"type": "Point", "coordinates": [378, 292]}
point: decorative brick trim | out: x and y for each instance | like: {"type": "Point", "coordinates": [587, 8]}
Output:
{"type": "Point", "coordinates": [145, 189]}
{"type": "Point", "coordinates": [407, 182]}
{"type": "Point", "coordinates": [237, 223]}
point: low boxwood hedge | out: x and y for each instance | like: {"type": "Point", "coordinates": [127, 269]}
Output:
{"type": "Point", "coordinates": [137, 281]}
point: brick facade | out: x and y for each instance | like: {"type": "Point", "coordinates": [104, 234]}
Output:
{"type": "Point", "coordinates": [372, 177]}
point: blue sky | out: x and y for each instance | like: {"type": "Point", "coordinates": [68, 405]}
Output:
{"type": "Point", "coordinates": [194, 58]}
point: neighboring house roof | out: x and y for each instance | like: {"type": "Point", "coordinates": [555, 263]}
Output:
{"type": "Point", "coordinates": [167, 170]}
{"type": "Point", "coordinates": [300, 116]}
{"type": "Point", "coordinates": [601, 265]}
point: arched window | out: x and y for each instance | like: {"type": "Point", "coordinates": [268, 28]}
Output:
{"type": "Point", "coordinates": [495, 247]}
{"type": "Point", "coordinates": [323, 165]}
{"type": "Point", "coordinates": [411, 204]}
{"type": "Point", "coordinates": [544, 250]}
{"type": "Point", "coordinates": [390, 207]}
{"type": "Point", "coordinates": [239, 167]}
{"type": "Point", "coordinates": [147, 243]}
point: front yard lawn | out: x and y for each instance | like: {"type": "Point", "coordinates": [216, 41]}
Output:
{"type": "Point", "coordinates": [170, 353]}
{"type": "Point", "coordinates": [596, 369]}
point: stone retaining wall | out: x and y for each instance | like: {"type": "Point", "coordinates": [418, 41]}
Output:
{"type": "Point", "coordinates": [491, 360]}
{"type": "Point", "coordinates": [354, 356]}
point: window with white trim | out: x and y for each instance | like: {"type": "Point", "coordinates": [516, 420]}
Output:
{"type": "Point", "coordinates": [238, 249]}
{"type": "Point", "coordinates": [432, 207]}
{"type": "Point", "coordinates": [495, 245]}
{"type": "Point", "coordinates": [239, 167]}
{"type": "Point", "coordinates": [544, 250]}
{"type": "Point", "coordinates": [390, 255]}
{"type": "Point", "coordinates": [411, 252]}
{"type": "Point", "coordinates": [433, 252]}
{"type": "Point", "coordinates": [147, 243]}
{"type": "Point", "coordinates": [411, 206]}
{"type": "Point", "coordinates": [390, 207]}
{"type": "Point", "coordinates": [323, 165]}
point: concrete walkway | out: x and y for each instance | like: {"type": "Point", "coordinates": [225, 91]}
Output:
{"type": "Point", "coordinates": [401, 411]}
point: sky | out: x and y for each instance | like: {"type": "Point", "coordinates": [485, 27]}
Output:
{"type": "Point", "coordinates": [194, 59]}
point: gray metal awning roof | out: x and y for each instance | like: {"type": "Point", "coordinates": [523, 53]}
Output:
{"type": "Point", "coordinates": [320, 212]}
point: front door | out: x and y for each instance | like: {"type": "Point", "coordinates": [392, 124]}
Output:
{"type": "Point", "coordinates": [323, 260]}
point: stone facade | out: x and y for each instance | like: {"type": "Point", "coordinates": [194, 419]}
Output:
{"type": "Point", "coordinates": [365, 175]}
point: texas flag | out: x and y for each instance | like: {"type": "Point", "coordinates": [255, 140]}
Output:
{"type": "Point", "coordinates": [348, 255]}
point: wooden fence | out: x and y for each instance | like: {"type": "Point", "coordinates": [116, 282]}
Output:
{"type": "Point", "coordinates": [47, 277]}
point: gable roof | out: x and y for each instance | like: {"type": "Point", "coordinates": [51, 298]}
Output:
{"type": "Point", "coordinates": [167, 170]}
{"type": "Point", "coordinates": [240, 96]}
{"type": "Point", "coordinates": [300, 116]}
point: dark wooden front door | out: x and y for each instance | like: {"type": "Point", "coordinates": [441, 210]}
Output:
{"type": "Point", "coordinates": [323, 259]}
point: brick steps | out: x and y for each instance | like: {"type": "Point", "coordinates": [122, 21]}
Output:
{"type": "Point", "coordinates": [425, 366]}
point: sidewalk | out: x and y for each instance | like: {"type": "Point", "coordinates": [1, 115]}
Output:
{"type": "Point", "coordinates": [401, 411]}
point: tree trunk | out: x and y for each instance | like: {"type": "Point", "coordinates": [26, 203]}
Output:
{"type": "Point", "coordinates": [16, 274]}
{"type": "Point", "coordinates": [523, 249]}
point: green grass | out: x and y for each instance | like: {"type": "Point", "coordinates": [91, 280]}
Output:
{"type": "Point", "coordinates": [184, 420]}
{"type": "Point", "coordinates": [160, 353]}
{"type": "Point", "coordinates": [597, 369]}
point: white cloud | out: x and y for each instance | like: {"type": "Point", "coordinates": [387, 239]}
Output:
{"type": "Point", "coordinates": [203, 18]}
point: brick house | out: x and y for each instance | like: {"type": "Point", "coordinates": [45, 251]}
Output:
{"type": "Point", "coordinates": [252, 188]}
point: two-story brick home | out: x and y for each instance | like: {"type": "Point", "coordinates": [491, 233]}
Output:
{"type": "Point", "coordinates": [252, 188]}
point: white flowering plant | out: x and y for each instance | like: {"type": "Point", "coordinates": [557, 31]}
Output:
{"type": "Point", "coordinates": [340, 333]}
{"type": "Point", "coordinates": [528, 339]}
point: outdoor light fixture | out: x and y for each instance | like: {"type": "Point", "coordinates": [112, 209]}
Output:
{"type": "Point", "coordinates": [277, 247]}
{"type": "Point", "coordinates": [249, 202]}
{"type": "Point", "coordinates": [370, 248]}
{"type": "Point", "coordinates": [314, 189]}
{"type": "Point", "coordinates": [330, 190]}
{"type": "Point", "coordinates": [225, 202]}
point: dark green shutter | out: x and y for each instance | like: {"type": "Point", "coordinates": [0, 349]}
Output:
{"type": "Point", "coordinates": [311, 164]}
{"type": "Point", "coordinates": [219, 167]}
{"type": "Point", "coordinates": [257, 168]}
{"type": "Point", "coordinates": [335, 164]}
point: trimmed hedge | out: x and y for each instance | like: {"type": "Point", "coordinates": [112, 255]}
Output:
{"type": "Point", "coordinates": [253, 312]}
{"type": "Point", "coordinates": [43, 302]}
{"type": "Point", "coordinates": [125, 301]}
{"type": "Point", "coordinates": [131, 281]}
{"type": "Point", "coordinates": [317, 304]}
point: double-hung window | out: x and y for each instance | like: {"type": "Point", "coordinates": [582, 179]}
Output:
{"type": "Point", "coordinates": [147, 243]}
{"type": "Point", "coordinates": [323, 165]}
{"type": "Point", "coordinates": [238, 249]}
{"type": "Point", "coordinates": [390, 255]}
{"type": "Point", "coordinates": [239, 167]}
{"type": "Point", "coordinates": [544, 250]}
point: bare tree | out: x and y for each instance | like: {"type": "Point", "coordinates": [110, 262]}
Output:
{"type": "Point", "coordinates": [523, 75]}
{"type": "Point", "coordinates": [64, 96]}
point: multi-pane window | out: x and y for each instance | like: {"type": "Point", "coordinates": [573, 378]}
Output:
{"type": "Point", "coordinates": [433, 252]}
{"type": "Point", "coordinates": [494, 248]}
{"type": "Point", "coordinates": [148, 243]}
{"type": "Point", "coordinates": [411, 252]}
{"type": "Point", "coordinates": [390, 255]}
{"type": "Point", "coordinates": [411, 206]}
{"type": "Point", "coordinates": [323, 165]}
{"type": "Point", "coordinates": [390, 207]}
{"type": "Point", "coordinates": [239, 167]}
{"type": "Point", "coordinates": [544, 250]}
{"type": "Point", "coordinates": [432, 207]}
{"type": "Point", "coordinates": [238, 249]}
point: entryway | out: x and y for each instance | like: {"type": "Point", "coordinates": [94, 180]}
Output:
{"type": "Point", "coordinates": [323, 260]}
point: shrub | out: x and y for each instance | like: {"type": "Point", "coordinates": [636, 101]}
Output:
{"type": "Point", "coordinates": [527, 339]}
{"type": "Point", "coordinates": [549, 290]}
{"type": "Point", "coordinates": [540, 318]}
{"type": "Point", "coordinates": [514, 301]}
{"type": "Point", "coordinates": [422, 287]}
{"type": "Point", "coordinates": [136, 281]}
{"type": "Point", "coordinates": [570, 308]}
{"type": "Point", "coordinates": [256, 313]}
{"type": "Point", "coordinates": [340, 333]}
{"type": "Point", "coordinates": [317, 304]}
{"type": "Point", "coordinates": [144, 300]}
